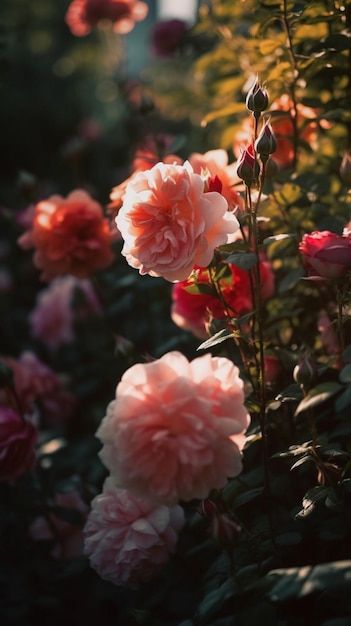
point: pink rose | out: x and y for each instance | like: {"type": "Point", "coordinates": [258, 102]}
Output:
{"type": "Point", "coordinates": [83, 15]}
{"type": "Point", "coordinates": [17, 444]}
{"type": "Point", "coordinates": [38, 387]}
{"type": "Point", "coordinates": [325, 254]}
{"type": "Point", "coordinates": [129, 539]}
{"type": "Point", "coordinates": [52, 320]}
{"type": "Point", "coordinates": [169, 224]}
{"type": "Point", "coordinates": [176, 429]}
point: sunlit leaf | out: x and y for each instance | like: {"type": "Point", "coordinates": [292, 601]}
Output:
{"type": "Point", "coordinates": [219, 337]}
{"type": "Point", "coordinates": [318, 395]}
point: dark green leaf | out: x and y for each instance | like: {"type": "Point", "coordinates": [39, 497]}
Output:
{"type": "Point", "coordinates": [245, 260]}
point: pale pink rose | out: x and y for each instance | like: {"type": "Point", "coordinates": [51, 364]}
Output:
{"type": "Point", "coordinates": [216, 163]}
{"type": "Point", "coordinates": [38, 388]}
{"type": "Point", "coordinates": [18, 437]}
{"type": "Point", "coordinates": [52, 320]}
{"type": "Point", "coordinates": [169, 224]}
{"type": "Point", "coordinates": [176, 428]}
{"type": "Point", "coordinates": [128, 539]}
{"type": "Point", "coordinates": [67, 538]}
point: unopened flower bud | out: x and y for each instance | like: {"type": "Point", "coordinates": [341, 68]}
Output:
{"type": "Point", "coordinates": [266, 142]}
{"type": "Point", "coordinates": [248, 169]}
{"type": "Point", "coordinates": [257, 98]}
{"type": "Point", "coordinates": [345, 169]}
{"type": "Point", "coordinates": [305, 373]}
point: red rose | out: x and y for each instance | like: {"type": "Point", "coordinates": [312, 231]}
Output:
{"type": "Point", "coordinates": [192, 311]}
{"type": "Point", "coordinates": [17, 444]}
{"type": "Point", "coordinates": [326, 255]}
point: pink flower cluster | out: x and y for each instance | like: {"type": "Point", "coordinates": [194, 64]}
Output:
{"type": "Point", "coordinates": [174, 432]}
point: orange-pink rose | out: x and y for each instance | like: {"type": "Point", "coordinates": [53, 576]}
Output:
{"type": "Point", "coordinates": [70, 236]}
{"type": "Point", "coordinates": [83, 15]}
{"type": "Point", "coordinates": [176, 428]}
{"type": "Point", "coordinates": [169, 224]}
{"type": "Point", "coordinates": [128, 539]}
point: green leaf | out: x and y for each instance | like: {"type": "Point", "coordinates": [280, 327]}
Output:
{"type": "Point", "coordinates": [298, 582]}
{"type": "Point", "coordinates": [288, 194]}
{"type": "Point", "coordinates": [214, 600]}
{"type": "Point", "coordinates": [247, 496]}
{"type": "Point", "coordinates": [344, 400]}
{"type": "Point", "coordinates": [317, 395]}
{"type": "Point", "coordinates": [219, 337]}
{"type": "Point", "coordinates": [275, 238]}
{"type": "Point", "coordinates": [245, 260]}
{"type": "Point", "coordinates": [345, 374]}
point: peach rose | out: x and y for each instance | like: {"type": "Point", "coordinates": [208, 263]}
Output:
{"type": "Point", "coordinates": [129, 539]}
{"type": "Point", "coordinates": [169, 224]}
{"type": "Point", "coordinates": [176, 429]}
{"type": "Point", "coordinates": [83, 15]}
{"type": "Point", "coordinates": [70, 235]}
{"type": "Point", "coordinates": [17, 444]}
{"type": "Point", "coordinates": [325, 254]}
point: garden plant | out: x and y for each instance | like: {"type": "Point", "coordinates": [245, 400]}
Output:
{"type": "Point", "coordinates": [175, 330]}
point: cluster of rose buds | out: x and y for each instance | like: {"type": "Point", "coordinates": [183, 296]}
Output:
{"type": "Point", "coordinates": [265, 143]}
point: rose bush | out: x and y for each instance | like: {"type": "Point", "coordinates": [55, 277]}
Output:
{"type": "Point", "coordinates": [169, 224]}
{"type": "Point", "coordinates": [176, 428]}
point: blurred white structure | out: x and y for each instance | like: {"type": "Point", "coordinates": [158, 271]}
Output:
{"type": "Point", "coordinates": [182, 9]}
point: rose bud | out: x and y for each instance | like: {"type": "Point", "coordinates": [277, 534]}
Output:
{"type": "Point", "coordinates": [266, 142]}
{"type": "Point", "coordinates": [257, 98]}
{"type": "Point", "coordinates": [248, 169]}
